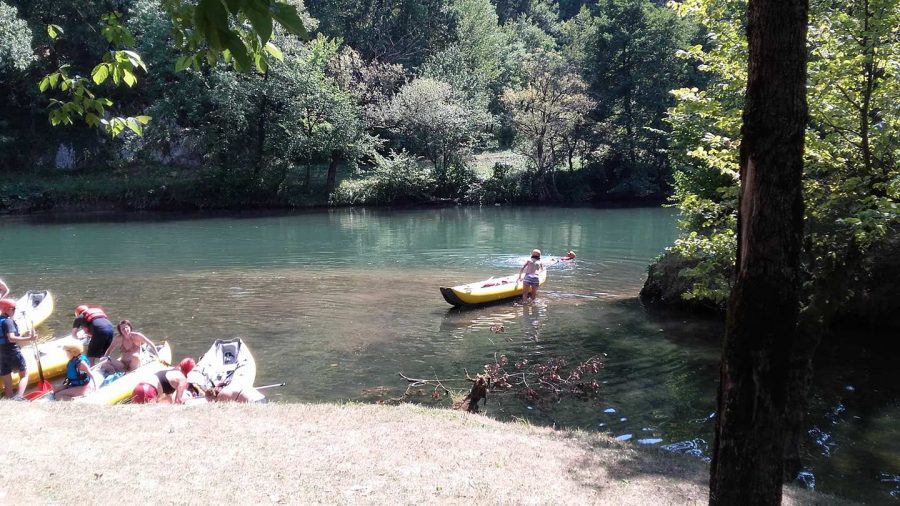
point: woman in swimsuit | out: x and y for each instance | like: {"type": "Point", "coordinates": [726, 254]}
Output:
{"type": "Point", "coordinates": [129, 343]}
{"type": "Point", "coordinates": [533, 266]}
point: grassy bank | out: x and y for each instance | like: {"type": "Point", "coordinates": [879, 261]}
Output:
{"type": "Point", "coordinates": [346, 454]}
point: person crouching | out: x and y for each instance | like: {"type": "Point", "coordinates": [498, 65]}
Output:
{"type": "Point", "coordinates": [165, 386]}
{"type": "Point", "coordinates": [79, 380]}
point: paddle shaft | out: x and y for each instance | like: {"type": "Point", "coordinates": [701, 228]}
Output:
{"type": "Point", "coordinates": [273, 385]}
{"type": "Point", "coordinates": [37, 355]}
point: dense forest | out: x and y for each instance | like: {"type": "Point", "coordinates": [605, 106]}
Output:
{"type": "Point", "coordinates": [382, 102]}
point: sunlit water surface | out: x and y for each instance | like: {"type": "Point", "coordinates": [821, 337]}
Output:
{"type": "Point", "coordinates": [337, 303]}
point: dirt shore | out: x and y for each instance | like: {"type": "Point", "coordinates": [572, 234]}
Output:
{"type": "Point", "coordinates": [60, 453]}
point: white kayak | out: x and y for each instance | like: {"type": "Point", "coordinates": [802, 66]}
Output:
{"type": "Point", "coordinates": [32, 309]}
{"type": "Point", "coordinates": [228, 366]}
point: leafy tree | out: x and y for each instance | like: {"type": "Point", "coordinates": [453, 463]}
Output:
{"type": "Point", "coordinates": [629, 53]}
{"type": "Point", "coordinates": [433, 120]}
{"type": "Point", "coordinates": [545, 111]}
{"type": "Point", "coordinates": [850, 162]}
{"type": "Point", "coordinates": [851, 181]}
{"type": "Point", "coordinates": [15, 40]}
{"type": "Point", "coordinates": [392, 31]}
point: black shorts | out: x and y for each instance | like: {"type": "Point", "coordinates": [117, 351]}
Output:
{"type": "Point", "coordinates": [100, 342]}
{"type": "Point", "coordinates": [11, 359]}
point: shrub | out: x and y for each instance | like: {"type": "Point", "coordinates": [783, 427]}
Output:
{"type": "Point", "coordinates": [396, 179]}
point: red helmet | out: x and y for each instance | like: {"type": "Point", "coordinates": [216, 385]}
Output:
{"type": "Point", "coordinates": [7, 304]}
{"type": "Point", "coordinates": [187, 365]}
{"type": "Point", "coordinates": [144, 393]}
{"type": "Point", "coordinates": [80, 309]}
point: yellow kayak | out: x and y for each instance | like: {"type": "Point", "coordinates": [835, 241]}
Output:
{"type": "Point", "coordinates": [53, 360]}
{"type": "Point", "coordinates": [487, 291]}
{"type": "Point", "coordinates": [32, 309]}
{"type": "Point", "coordinates": [121, 389]}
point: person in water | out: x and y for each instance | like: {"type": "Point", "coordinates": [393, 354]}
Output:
{"type": "Point", "coordinates": [4, 289]}
{"type": "Point", "coordinates": [78, 373]}
{"type": "Point", "coordinates": [10, 355]}
{"type": "Point", "coordinates": [569, 256]}
{"type": "Point", "coordinates": [532, 281]}
{"type": "Point", "coordinates": [129, 344]}
{"type": "Point", "coordinates": [166, 386]}
{"type": "Point", "coordinates": [97, 325]}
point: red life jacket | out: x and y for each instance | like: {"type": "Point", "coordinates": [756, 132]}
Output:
{"type": "Point", "coordinates": [92, 314]}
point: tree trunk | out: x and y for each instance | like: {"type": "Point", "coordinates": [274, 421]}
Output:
{"type": "Point", "coordinates": [261, 128]}
{"type": "Point", "coordinates": [332, 172]}
{"type": "Point", "coordinates": [762, 310]}
{"type": "Point", "coordinates": [868, 50]}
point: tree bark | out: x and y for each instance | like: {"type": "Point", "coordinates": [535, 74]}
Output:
{"type": "Point", "coordinates": [261, 128]}
{"type": "Point", "coordinates": [332, 172]}
{"type": "Point", "coordinates": [764, 304]}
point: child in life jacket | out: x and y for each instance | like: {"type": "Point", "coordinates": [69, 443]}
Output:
{"type": "Point", "coordinates": [78, 373]}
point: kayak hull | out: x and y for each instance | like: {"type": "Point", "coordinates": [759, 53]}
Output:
{"type": "Point", "coordinates": [33, 309]}
{"type": "Point", "coordinates": [53, 361]}
{"type": "Point", "coordinates": [487, 291]}
{"type": "Point", "coordinates": [229, 365]}
{"type": "Point", "coordinates": [122, 388]}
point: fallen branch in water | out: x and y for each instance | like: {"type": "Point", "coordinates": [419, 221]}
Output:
{"type": "Point", "coordinates": [532, 381]}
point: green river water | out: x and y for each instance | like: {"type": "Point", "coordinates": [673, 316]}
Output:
{"type": "Point", "coordinates": [337, 303]}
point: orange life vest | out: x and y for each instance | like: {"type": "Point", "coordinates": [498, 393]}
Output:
{"type": "Point", "coordinates": [92, 314]}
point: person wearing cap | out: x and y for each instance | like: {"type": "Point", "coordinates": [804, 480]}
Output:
{"type": "Point", "coordinates": [167, 385]}
{"type": "Point", "coordinates": [79, 379]}
{"type": "Point", "coordinates": [129, 343]}
{"type": "Point", "coordinates": [10, 355]}
{"type": "Point", "coordinates": [532, 281]}
{"type": "Point", "coordinates": [97, 325]}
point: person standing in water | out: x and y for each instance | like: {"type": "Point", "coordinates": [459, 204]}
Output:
{"type": "Point", "coordinates": [532, 281]}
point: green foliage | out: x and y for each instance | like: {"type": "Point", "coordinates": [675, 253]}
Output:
{"type": "Point", "coordinates": [395, 180]}
{"type": "Point", "coordinates": [435, 121]}
{"type": "Point", "coordinates": [628, 51]}
{"type": "Point", "coordinates": [238, 31]}
{"type": "Point", "coordinates": [15, 40]}
{"type": "Point", "coordinates": [391, 31]}
{"type": "Point", "coordinates": [546, 112]}
{"type": "Point", "coordinates": [504, 186]}
{"type": "Point", "coordinates": [81, 101]}
{"type": "Point", "coordinates": [852, 147]}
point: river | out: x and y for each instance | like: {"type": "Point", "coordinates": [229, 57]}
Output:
{"type": "Point", "coordinates": [337, 303]}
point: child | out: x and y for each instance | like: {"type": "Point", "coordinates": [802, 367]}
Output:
{"type": "Point", "coordinates": [533, 266]}
{"type": "Point", "coordinates": [10, 354]}
{"type": "Point", "coordinates": [78, 373]}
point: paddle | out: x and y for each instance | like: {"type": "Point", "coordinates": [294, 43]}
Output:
{"type": "Point", "coordinates": [273, 385]}
{"type": "Point", "coordinates": [44, 387]}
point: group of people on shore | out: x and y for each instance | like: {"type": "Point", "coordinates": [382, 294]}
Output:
{"type": "Point", "coordinates": [110, 351]}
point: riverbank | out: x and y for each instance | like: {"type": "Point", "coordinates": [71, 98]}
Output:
{"type": "Point", "coordinates": [335, 454]}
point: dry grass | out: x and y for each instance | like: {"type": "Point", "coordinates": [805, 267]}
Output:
{"type": "Point", "coordinates": [333, 454]}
